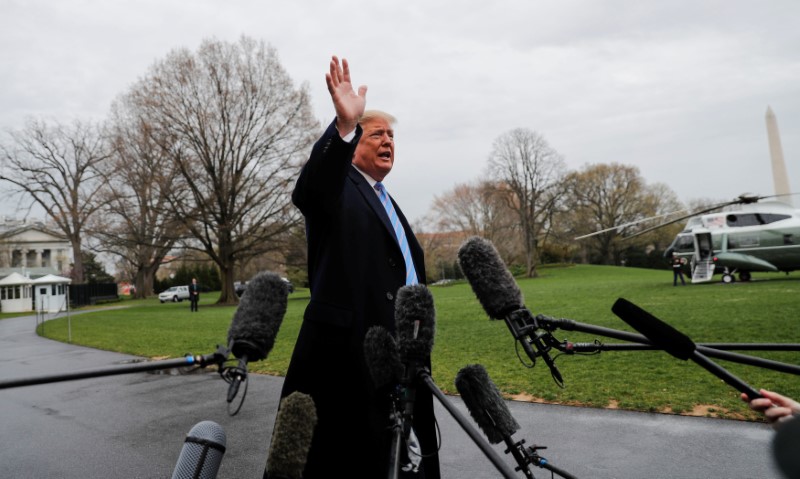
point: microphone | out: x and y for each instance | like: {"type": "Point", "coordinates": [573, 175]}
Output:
{"type": "Point", "coordinates": [255, 324]}
{"type": "Point", "coordinates": [785, 445]}
{"type": "Point", "coordinates": [485, 404]}
{"type": "Point", "coordinates": [385, 368]}
{"type": "Point", "coordinates": [501, 298]}
{"type": "Point", "coordinates": [489, 410]}
{"type": "Point", "coordinates": [291, 437]}
{"type": "Point", "coordinates": [202, 452]}
{"type": "Point", "coordinates": [382, 357]}
{"type": "Point", "coordinates": [665, 337]}
{"type": "Point", "coordinates": [415, 322]}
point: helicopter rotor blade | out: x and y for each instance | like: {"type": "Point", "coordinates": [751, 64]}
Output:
{"type": "Point", "coordinates": [741, 199]}
{"type": "Point", "coordinates": [628, 224]}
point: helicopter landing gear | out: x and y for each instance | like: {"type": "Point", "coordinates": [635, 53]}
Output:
{"type": "Point", "coordinates": [728, 276]}
{"type": "Point", "coordinates": [744, 276]}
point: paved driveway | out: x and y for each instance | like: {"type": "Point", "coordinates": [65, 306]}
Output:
{"type": "Point", "coordinates": [132, 426]}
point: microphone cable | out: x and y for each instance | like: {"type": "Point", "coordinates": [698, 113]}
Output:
{"type": "Point", "coordinates": [235, 375]}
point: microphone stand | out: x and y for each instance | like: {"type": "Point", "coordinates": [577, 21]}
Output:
{"type": "Point", "coordinates": [523, 330]}
{"type": "Point", "coordinates": [397, 427]}
{"type": "Point", "coordinates": [482, 443]}
{"type": "Point", "coordinates": [218, 357]}
{"type": "Point", "coordinates": [712, 351]}
{"type": "Point", "coordinates": [528, 455]}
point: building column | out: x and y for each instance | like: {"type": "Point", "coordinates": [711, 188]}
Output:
{"type": "Point", "coordinates": [39, 258]}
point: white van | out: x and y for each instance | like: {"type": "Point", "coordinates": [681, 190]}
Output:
{"type": "Point", "coordinates": [174, 294]}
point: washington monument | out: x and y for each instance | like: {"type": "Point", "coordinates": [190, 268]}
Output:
{"type": "Point", "coordinates": [779, 176]}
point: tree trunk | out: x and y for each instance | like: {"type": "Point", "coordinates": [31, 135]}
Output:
{"type": "Point", "coordinates": [77, 261]}
{"type": "Point", "coordinates": [228, 293]}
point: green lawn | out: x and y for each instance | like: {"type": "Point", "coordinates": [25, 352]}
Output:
{"type": "Point", "coordinates": [764, 310]}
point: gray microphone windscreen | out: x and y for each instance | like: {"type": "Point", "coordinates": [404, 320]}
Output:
{"type": "Point", "coordinates": [258, 317]}
{"type": "Point", "coordinates": [415, 321]}
{"type": "Point", "coordinates": [382, 357]}
{"type": "Point", "coordinates": [202, 452]}
{"type": "Point", "coordinates": [291, 437]}
{"type": "Point", "coordinates": [491, 281]}
{"type": "Point", "coordinates": [485, 404]}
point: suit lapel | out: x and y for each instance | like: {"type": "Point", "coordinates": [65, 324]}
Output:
{"type": "Point", "coordinates": [373, 201]}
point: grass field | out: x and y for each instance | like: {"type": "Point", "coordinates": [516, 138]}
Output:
{"type": "Point", "coordinates": [764, 310]}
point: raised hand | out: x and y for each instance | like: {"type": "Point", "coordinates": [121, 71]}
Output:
{"type": "Point", "coordinates": [348, 104]}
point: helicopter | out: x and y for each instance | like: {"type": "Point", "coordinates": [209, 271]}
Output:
{"type": "Point", "coordinates": [754, 237]}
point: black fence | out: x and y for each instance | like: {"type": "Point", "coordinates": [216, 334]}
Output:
{"type": "Point", "coordinates": [83, 294]}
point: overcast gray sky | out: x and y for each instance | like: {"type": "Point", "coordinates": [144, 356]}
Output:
{"type": "Point", "coordinates": [678, 89]}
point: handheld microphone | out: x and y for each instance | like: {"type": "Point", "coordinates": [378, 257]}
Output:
{"type": "Point", "coordinates": [255, 325]}
{"type": "Point", "coordinates": [489, 410]}
{"type": "Point", "coordinates": [202, 452]}
{"type": "Point", "coordinates": [675, 343]}
{"type": "Point", "coordinates": [291, 438]}
{"type": "Point", "coordinates": [501, 298]}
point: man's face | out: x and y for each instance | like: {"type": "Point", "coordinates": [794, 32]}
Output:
{"type": "Point", "coordinates": [375, 151]}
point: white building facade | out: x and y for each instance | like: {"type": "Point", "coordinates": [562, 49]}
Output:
{"type": "Point", "coordinates": [29, 251]}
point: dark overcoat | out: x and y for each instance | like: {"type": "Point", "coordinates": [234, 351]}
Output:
{"type": "Point", "coordinates": [355, 268]}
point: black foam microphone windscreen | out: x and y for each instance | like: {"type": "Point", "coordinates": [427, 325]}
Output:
{"type": "Point", "coordinates": [485, 404]}
{"type": "Point", "coordinates": [491, 281]}
{"type": "Point", "coordinates": [658, 332]}
{"type": "Point", "coordinates": [258, 317]}
{"type": "Point", "coordinates": [291, 437]}
{"type": "Point", "coordinates": [415, 321]}
{"type": "Point", "coordinates": [202, 452]}
{"type": "Point", "coordinates": [382, 357]}
{"type": "Point", "coordinates": [785, 447]}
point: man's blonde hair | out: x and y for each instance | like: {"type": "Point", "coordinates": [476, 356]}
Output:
{"type": "Point", "coordinates": [374, 114]}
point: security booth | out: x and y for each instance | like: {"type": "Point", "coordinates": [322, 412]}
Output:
{"type": "Point", "coordinates": [15, 294]}
{"type": "Point", "coordinates": [50, 292]}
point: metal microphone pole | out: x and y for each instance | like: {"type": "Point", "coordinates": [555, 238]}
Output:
{"type": "Point", "coordinates": [551, 324]}
{"type": "Point", "coordinates": [397, 440]}
{"type": "Point", "coordinates": [484, 446]}
{"type": "Point", "coordinates": [218, 357]}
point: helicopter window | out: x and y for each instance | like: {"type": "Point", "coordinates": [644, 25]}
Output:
{"type": "Point", "coordinates": [787, 239]}
{"type": "Point", "coordinates": [773, 217]}
{"type": "Point", "coordinates": [754, 219]}
{"type": "Point", "coordinates": [684, 243]}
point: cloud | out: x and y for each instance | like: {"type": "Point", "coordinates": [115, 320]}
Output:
{"type": "Point", "coordinates": [678, 89]}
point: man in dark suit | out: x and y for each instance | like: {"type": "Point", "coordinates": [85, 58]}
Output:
{"type": "Point", "coordinates": [194, 294]}
{"type": "Point", "coordinates": [355, 267]}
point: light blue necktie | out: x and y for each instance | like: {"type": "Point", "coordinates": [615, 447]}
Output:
{"type": "Point", "coordinates": [411, 272]}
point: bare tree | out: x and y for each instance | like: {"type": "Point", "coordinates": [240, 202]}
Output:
{"type": "Point", "coordinates": [605, 196]}
{"type": "Point", "coordinates": [477, 209]}
{"type": "Point", "coordinates": [529, 172]}
{"type": "Point", "coordinates": [232, 121]}
{"type": "Point", "coordinates": [55, 166]}
{"type": "Point", "coordinates": [138, 224]}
